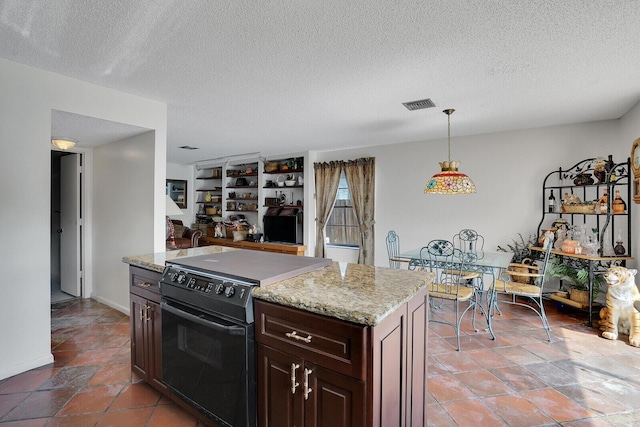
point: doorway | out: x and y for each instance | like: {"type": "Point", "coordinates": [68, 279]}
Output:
{"type": "Point", "coordinates": [66, 226]}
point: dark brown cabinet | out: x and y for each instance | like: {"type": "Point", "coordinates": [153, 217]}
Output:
{"type": "Point", "coordinates": [315, 370]}
{"type": "Point", "coordinates": [294, 392]}
{"type": "Point", "coordinates": [278, 405]}
{"type": "Point", "coordinates": [146, 326]}
{"type": "Point", "coordinates": [339, 400]}
{"type": "Point", "coordinates": [255, 246]}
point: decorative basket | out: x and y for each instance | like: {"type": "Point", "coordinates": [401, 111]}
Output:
{"type": "Point", "coordinates": [271, 166]}
{"type": "Point", "coordinates": [525, 267]}
{"type": "Point", "coordinates": [579, 296]}
{"type": "Point", "coordinates": [579, 209]}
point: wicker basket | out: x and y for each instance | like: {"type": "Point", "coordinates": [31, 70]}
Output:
{"type": "Point", "coordinates": [579, 209]}
{"type": "Point", "coordinates": [580, 296]}
{"type": "Point", "coordinates": [523, 268]}
{"type": "Point", "coordinates": [271, 166]}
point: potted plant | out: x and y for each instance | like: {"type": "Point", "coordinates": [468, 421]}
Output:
{"type": "Point", "coordinates": [522, 254]}
{"type": "Point", "coordinates": [577, 280]}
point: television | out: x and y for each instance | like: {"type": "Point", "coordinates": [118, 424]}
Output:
{"type": "Point", "coordinates": [285, 229]}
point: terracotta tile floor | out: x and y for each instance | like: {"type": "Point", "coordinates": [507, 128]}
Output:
{"type": "Point", "coordinates": [90, 382]}
{"type": "Point", "coordinates": [518, 380]}
{"type": "Point", "coordinates": [580, 379]}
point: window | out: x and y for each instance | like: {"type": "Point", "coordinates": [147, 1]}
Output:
{"type": "Point", "coordinates": [342, 228]}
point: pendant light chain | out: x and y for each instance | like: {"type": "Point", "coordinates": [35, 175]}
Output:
{"type": "Point", "coordinates": [449, 133]}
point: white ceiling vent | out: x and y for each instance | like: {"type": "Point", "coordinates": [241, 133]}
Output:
{"type": "Point", "coordinates": [419, 105]}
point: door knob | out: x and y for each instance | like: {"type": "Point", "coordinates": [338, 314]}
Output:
{"type": "Point", "coordinates": [59, 230]}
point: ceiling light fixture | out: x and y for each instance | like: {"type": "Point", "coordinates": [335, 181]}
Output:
{"type": "Point", "coordinates": [63, 143]}
{"type": "Point", "coordinates": [449, 180]}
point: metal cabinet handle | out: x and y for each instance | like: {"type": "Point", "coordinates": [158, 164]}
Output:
{"type": "Point", "coordinates": [142, 313]}
{"type": "Point", "coordinates": [294, 383]}
{"type": "Point", "coordinates": [295, 335]}
{"type": "Point", "coordinates": [144, 284]}
{"type": "Point", "coordinates": [307, 389]}
{"type": "Point", "coordinates": [146, 317]}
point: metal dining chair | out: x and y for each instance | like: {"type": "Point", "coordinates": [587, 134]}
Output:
{"type": "Point", "coordinates": [448, 264]}
{"type": "Point", "coordinates": [469, 241]}
{"type": "Point", "coordinates": [393, 249]}
{"type": "Point", "coordinates": [471, 244]}
{"type": "Point", "coordinates": [532, 292]}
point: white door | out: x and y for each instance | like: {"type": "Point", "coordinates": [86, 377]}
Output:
{"type": "Point", "coordinates": [70, 222]}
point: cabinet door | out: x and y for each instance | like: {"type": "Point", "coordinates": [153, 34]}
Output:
{"type": "Point", "coordinates": [154, 336]}
{"type": "Point", "coordinates": [334, 400]}
{"type": "Point", "coordinates": [278, 406]}
{"type": "Point", "coordinates": [139, 352]}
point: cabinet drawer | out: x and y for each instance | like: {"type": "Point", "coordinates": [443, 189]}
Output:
{"type": "Point", "coordinates": [145, 283]}
{"type": "Point", "coordinates": [332, 343]}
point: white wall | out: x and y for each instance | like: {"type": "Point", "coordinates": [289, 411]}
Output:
{"type": "Point", "coordinates": [27, 96]}
{"type": "Point", "coordinates": [175, 171]}
{"type": "Point", "coordinates": [629, 132]}
{"type": "Point", "coordinates": [123, 177]}
{"type": "Point", "coordinates": [508, 169]}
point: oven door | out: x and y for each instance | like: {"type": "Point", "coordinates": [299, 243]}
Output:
{"type": "Point", "coordinates": [210, 362]}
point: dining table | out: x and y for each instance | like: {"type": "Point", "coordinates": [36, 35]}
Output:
{"type": "Point", "coordinates": [488, 263]}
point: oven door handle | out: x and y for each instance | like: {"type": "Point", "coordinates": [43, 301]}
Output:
{"type": "Point", "coordinates": [231, 330]}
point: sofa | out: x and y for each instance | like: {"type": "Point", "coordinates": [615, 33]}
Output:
{"type": "Point", "coordinates": [184, 237]}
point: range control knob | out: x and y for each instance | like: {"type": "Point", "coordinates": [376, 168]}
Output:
{"type": "Point", "coordinates": [229, 291]}
{"type": "Point", "coordinates": [182, 277]}
{"type": "Point", "coordinates": [219, 288]}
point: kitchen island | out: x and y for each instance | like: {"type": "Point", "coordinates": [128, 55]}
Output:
{"type": "Point", "coordinates": [342, 345]}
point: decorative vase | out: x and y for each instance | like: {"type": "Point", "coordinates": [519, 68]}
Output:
{"type": "Point", "coordinates": [607, 247]}
{"type": "Point", "coordinates": [601, 174]}
{"type": "Point", "coordinates": [619, 249]}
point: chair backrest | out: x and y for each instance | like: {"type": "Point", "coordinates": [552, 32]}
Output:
{"type": "Point", "coordinates": [393, 248]}
{"type": "Point", "coordinates": [469, 242]}
{"type": "Point", "coordinates": [446, 261]}
{"type": "Point", "coordinates": [542, 269]}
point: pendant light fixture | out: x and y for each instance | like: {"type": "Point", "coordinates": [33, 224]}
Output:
{"type": "Point", "coordinates": [63, 143]}
{"type": "Point", "coordinates": [449, 180]}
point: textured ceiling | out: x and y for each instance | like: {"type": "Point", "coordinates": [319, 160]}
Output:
{"type": "Point", "coordinates": [280, 76]}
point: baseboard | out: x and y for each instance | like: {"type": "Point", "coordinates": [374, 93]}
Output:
{"type": "Point", "coordinates": [27, 366]}
{"type": "Point", "coordinates": [111, 304]}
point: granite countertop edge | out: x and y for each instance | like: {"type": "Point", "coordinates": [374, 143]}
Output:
{"type": "Point", "coordinates": [360, 317]}
{"type": "Point", "coordinates": [137, 262]}
{"type": "Point", "coordinates": [365, 295]}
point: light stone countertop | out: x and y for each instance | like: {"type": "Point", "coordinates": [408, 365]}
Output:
{"type": "Point", "coordinates": [357, 293]}
{"type": "Point", "coordinates": [361, 294]}
{"type": "Point", "coordinates": [157, 261]}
